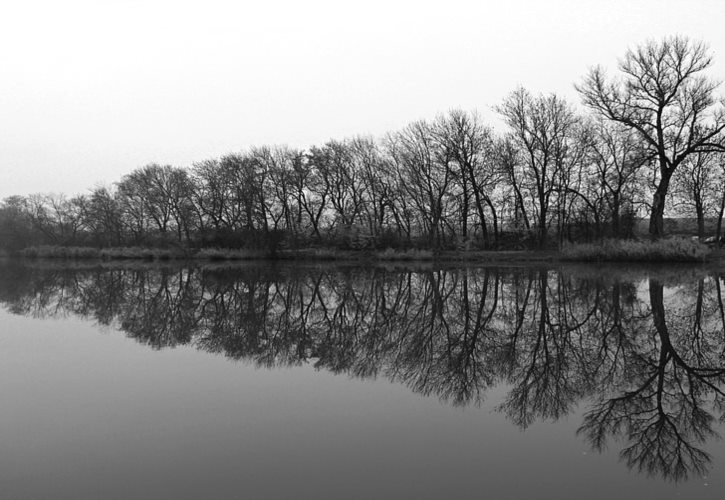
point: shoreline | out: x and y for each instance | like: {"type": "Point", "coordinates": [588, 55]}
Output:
{"type": "Point", "coordinates": [711, 256]}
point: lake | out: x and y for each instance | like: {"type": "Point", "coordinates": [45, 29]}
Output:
{"type": "Point", "coordinates": [333, 381]}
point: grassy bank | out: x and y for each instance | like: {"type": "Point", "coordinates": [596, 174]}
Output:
{"type": "Point", "coordinates": [312, 254]}
{"type": "Point", "coordinates": [219, 254]}
{"type": "Point", "coordinates": [120, 253]}
{"type": "Point", "coordinates": [669, 250]}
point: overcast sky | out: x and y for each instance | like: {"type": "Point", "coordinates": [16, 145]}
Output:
{"type": "Point", "coordinates": [91, 90]}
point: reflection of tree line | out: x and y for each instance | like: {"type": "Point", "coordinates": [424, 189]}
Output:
{"type": "Point", "coordinates": [649, 358]}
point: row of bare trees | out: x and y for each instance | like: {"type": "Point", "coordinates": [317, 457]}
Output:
{"type": "Point", "coordinates": [653, 139]}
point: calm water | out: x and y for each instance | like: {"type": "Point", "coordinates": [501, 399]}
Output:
{"type": "Point", "coordinates": [343, 382]}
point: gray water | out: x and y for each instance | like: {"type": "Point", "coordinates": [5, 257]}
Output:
{"type": "Point", "coordinates": [345, 382]}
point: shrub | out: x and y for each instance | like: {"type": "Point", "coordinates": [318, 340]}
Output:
{"type": "Point", "coordinates": [413, 254]}
{"type": "Point", "coordinates": [229, 254]}
{"type": "Point", "coordinates": [667, 250]}
{"type": "Point", "coordinates": [113, 253]}
{"type": "Point", "coordinates": [58, 252]}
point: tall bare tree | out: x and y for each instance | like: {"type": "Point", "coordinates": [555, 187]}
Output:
{"type": "Point", "coordinates": [469, 144]}
{"type": "Point", "coordinates": [542, 127]}
{"type": "Point", "coordinates": [664, 96]}
{"type": "Point", "coordinates": [425, 173]}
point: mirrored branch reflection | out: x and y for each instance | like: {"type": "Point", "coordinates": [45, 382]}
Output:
{"type": "Point", "coordinates": [642, 353]}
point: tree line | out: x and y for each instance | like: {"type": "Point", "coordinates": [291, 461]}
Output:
{"type": "Point", "coordinates": [644, 354]}
{"type": "Point", "coordinates": [649, 139]}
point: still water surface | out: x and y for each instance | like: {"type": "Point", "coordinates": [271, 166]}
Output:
{"type": "Point", "coordinates": [346, 382]}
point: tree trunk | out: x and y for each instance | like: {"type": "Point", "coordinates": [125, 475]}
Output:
{"type": "Point", "coordinates": [656, 221]}
{"type": "Point", "coordinates": [719, 219]}
{"type": "Point", "coordinates": [700, 220]}
{"type": "Point", "coordinates": [464, 211]}
{"type": "Point", "coordinates": [616, 223]}
{"type": "Point", "coordinates": [542, 226]}
{"type": "Point", "coordinates": [495, 219]}
{"type": "Point", "coordinates": [520, 204]}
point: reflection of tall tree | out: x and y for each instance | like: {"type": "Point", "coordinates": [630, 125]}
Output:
{"type": "Point", "coordinates": [720, 305]}
{"type": "Point", "coordinates": [235, 315]}
{"type": "Point", "coordinates": [468, 344]}
{"type": "Point", "coordinates": [663, 414]}
{"type": "Point", "coordinates": [613, 320]}
{"type": "Point", "coordinates": [161, 312]}
{"type": "Point", "coordinates": [548, 372]}
{"type": "Point", "coordinates": [444, 347]}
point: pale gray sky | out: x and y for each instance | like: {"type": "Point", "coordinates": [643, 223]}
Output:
{"type": "Point", "coordinates": [90, 90]}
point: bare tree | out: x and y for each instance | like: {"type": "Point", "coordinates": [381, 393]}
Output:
{"type": "Point", "coordinates": [542, 127]}
{"type": "Point", "coordinates": [617, 158]}
{"type": "Point", "coordinates": [212, 193]}
{"type": "Point", "coordinates": [508, 157]}
{"type": "Point", "coordinates": [376, 180]}
{"type": "Point", "coordinates": [314, 191]}
{"type": "Point", "coordinates": [102, 216]}
{"type": "Point", "coordinates": [343, 180]}
{"type": "Point", "coordinates": [469, 144]}
{"type": "Point", "coordinates": [663, 96]}
{"type": "Point", "coordinates": [425, 174]}
{"type": "Point", "coordinates": [16, 228]}
{"type": "Point", "coordinates": [696, 187]}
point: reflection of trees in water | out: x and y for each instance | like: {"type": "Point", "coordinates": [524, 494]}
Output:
{"type": "Point", "coordinates": [664, 402]}
{"type": "Point", "coordinates": [648, 357]}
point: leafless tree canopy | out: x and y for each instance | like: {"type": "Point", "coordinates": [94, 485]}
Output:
{"type": "Point", "coordinates": [663, 94]}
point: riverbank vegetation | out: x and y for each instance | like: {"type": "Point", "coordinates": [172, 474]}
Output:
{"type": "Point", "coordinates": [227, 254]}
{"type": "Point", "coordinates": [666, 250]}
{"type": "Point", "coordinates": [647, 142]}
